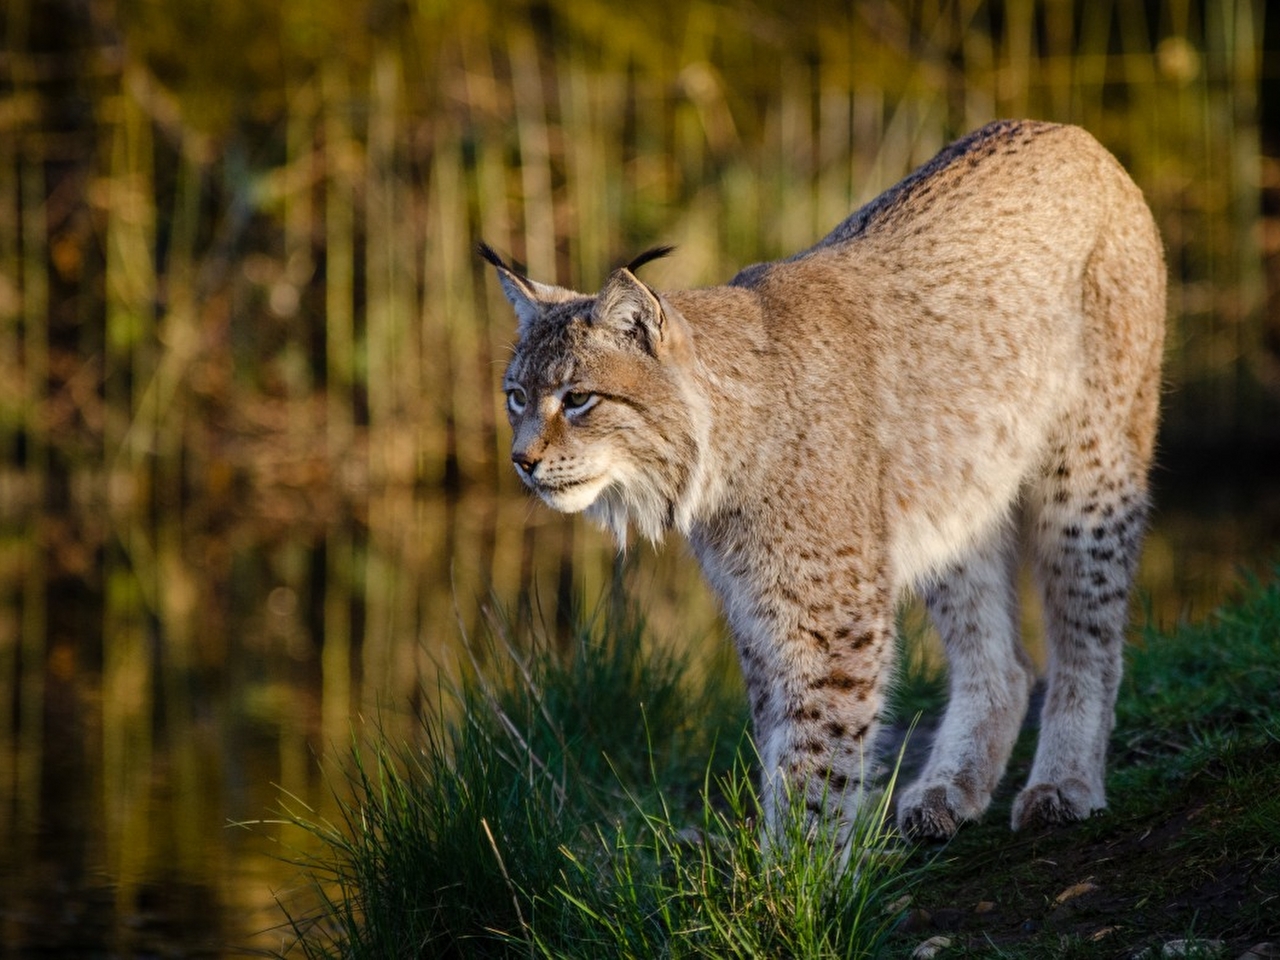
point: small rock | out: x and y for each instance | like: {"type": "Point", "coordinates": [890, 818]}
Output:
{"type": "Point", "coordinates": [930, 948]}
{"type": "Point", "coordinates": [1192, 948]}
{"type": "Point", "coordinates": [899, 905]}
{"type": "Point", "coordinates": [1262, 951]}
{"type": "Point", "coordinates": [1073, 891]}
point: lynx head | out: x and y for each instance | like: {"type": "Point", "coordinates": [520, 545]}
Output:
{"type": "Point", "coordinates": [599, 394]}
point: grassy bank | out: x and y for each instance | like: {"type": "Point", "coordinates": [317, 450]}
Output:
{"type": "Point", "coordinates": [594, 798]}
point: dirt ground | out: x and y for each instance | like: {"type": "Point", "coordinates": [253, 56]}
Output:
{"type": "Point", "coordinates": [1175, 865]}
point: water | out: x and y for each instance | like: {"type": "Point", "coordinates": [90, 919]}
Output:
{"type": "Point", "coordinates": [162, 680]}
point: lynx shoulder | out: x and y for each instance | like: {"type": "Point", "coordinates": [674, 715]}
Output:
{"type": "Point", "coordinates": [967, 366]}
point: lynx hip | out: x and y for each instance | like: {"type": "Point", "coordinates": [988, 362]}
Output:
{"type": "Point", "coordinates": [966, 366]}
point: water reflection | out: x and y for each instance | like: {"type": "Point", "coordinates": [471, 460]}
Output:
{"type": "Point", "coordinates": [162, 677]}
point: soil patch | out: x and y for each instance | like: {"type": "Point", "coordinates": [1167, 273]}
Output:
{"type": "Point", "coordinates": [1164, 864]}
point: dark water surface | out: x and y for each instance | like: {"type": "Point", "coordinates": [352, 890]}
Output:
{"type": "Point", "coordinates": [163, 679]}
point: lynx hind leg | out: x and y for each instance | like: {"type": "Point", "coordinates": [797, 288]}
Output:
{"type": "Point", "coordinates": [1088, 518]}
{"type": "Point", "coordinates": [974, 606]}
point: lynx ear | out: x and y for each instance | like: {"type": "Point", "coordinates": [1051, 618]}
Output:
{"type": "Point", "coordinates": [630, 308]}
{"type": "Point", "coordinates": [528, 297]}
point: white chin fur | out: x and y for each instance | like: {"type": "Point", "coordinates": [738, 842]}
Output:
{"type": "Point", "coordinates": [615, 504]}
{"type": "Point", "coordinates": [574, 499]}
{"type": "Point", "coordinates": [622, 505]}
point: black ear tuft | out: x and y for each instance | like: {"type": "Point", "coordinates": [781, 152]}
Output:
{"type": "Point", "coordinates": [656, 253]}
{"type": "Point", "coordinates": [488, 253]}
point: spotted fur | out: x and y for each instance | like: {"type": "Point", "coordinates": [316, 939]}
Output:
{"type": "Point", "coordinates": [972, 355]}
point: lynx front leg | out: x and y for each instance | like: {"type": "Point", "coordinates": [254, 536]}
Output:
{"type": "Point", "coordinates": [815, 710]}
{"type": "Point", "coordinates": [974, 607]}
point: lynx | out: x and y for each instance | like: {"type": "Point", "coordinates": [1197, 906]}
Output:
{"type": "Point", "coordinates": [966, 366]}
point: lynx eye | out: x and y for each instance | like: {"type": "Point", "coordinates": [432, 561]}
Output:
{"type": "Point", "coordinates": [516, 400]}
{"type": "Point", "coordinates": [577, 401]}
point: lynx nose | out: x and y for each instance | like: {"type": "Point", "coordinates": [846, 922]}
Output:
{"type": "Point", "coordinates": [525, 462]}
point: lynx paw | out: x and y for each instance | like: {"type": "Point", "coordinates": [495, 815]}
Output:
{"type": "Point", "coordinates": [925, 814]}
{"type": "Point", "coordinates": [1051, 804]}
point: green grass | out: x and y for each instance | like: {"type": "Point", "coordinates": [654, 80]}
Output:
{"type": "Point", "coordinates": [595, 798]}
{"type": "Point", "coordinates": [710, 890]}
{"type": "Point", "coordinates": [582, 799]}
